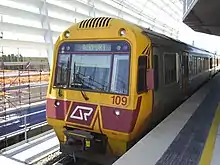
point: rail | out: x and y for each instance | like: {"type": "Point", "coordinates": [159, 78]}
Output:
{"type": "Point", "coordinates": [23, 86]}
{"type": "Point", "coordinates": [14, 74]}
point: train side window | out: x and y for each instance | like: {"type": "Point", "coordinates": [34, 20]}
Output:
{"type": "Point", "coordinates": [190, 65]}
{"type": "Point", "coordinates": [204, 64]}
{"type": "Point", "coordinates": [211, 63]}
{"type": "Point", "coordinates": [170, 68]}
{"type": "Point", "coordinates": [195, 71]}
{"type": "Point", "coordinates": [156, 72]}
{"type": "Point", "coordinates": [198, 65]}
{"type": "Point", "coordinates": [207, 63]}
{"type": "Point", "coordinates": [201, 64]}
{"type": "Point", "coordinates": [142, 74]}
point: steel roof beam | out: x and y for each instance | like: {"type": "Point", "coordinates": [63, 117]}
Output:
{"type": "Point", "coordinates": [23, 44]}
{"type": "Point", "coordinates": [10, 27]}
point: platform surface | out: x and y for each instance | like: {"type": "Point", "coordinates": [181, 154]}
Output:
{"type": "Point", "coordinates": [188, 136]}
{"type": "Point", "coordinates": [216, 152]}
{"type": "Point", "coordinates": [34, 149]}
{"type": "Point", "coordinates": [9, 161]}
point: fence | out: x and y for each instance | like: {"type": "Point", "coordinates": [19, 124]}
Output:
{"type": "Point", "coordinates": [23, 86]}
{"type": "Point", "coordinates": [21, 121]}
{"type": "Point", "coordinates": [21, 83]}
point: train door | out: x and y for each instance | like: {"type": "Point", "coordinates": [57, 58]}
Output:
{"type": "Point", "coordinates": [156, 59]}
{"type": "Point", "coordinates": [157, 74]}
{"type": "Point", "coordinates": [185, 71]}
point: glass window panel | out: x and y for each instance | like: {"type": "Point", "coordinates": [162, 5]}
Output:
{"type": "Point", "coordinates": [62, 70]}
{"type": "Point", "coordinates": [90, 71]}
{"type": "Point", "coordinates": [104, 72]}
{"type": "Point", "coordinates": [120, 74]}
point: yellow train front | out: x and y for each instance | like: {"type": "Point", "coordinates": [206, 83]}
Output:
{"type": "Point", "coordinates": [98, 96]}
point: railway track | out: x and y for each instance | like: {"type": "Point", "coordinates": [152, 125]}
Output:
{"type": "Point", "coordinates": [69, 161]}
{"type": "Point", "coordinates": [58, 158]}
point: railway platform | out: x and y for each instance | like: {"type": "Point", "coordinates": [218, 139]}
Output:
{"type": "Point", "coordinates": [31, 151]}
{"type": "Point", "coordinates": [188, 136]}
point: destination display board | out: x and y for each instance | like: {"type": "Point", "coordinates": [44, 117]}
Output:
{"type": "Point", "coordinates": [96, 46]}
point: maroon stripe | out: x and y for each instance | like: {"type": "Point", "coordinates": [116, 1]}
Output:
{"type": "Point", "coordinates": [125, 122]}
{"type": "Point", "coordinates": [57, 112]}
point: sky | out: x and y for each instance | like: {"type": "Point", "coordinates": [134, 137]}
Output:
{"type": "Point", "coordinates": [201, 40]}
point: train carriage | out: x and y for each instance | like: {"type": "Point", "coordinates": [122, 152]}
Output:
{"type": "Point", "coordinates": [179, 69]}
{"type": "Point", "coordinates": [111, 81]}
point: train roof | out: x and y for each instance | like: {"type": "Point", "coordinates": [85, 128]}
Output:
{"type": "Point", "coordinates": [160, 38]}
{"type": "Point", "coordinates": [164, 40]}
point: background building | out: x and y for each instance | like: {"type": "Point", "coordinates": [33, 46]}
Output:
{"type": "Point", "coordinates": [30, 27]}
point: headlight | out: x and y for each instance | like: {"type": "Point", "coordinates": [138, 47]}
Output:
{"type": "Point", "coordinates": [117, 112]}
{"type": "Point", "coordinates": [122, 32]}
{"type": "Point", "coordinates": [67, 34]}
{"type": "Point", "coordinates": [56, 103]}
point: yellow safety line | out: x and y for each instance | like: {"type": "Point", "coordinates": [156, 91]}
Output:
{"type": "Point", "coordinates": [68, 110]}
{"type": "Point", "coordinates": [210, 142]}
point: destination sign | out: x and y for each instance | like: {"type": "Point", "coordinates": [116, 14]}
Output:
{"type": "Point", "coordinates": [94, 46]}
{"type": "Point", "coordinates": [97, 47]}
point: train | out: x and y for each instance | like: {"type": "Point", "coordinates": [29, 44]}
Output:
{"type": "Point", "coordinates": [112, 80]}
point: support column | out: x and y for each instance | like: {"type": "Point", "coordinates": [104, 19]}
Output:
{"type": "Point", "coordinates": [91, 3]}
{"type": "Point", "coordinates": [139, 20]}
{"type": "Point", "coordinates": [48, 38]}
{"type": "Point", "coordinates": [120, 12]}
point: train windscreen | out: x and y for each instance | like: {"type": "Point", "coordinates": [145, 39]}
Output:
{"type": "Point", "coordinates": [94, 66]}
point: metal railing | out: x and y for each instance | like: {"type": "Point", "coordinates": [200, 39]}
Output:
{"type": "Point", "coordinates": [15, 98]}
{"type": "Point", "coordinates": [16, 124]}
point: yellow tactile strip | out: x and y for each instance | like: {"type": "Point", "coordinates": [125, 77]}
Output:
{"type": "Point", "coordinates": [210, 142]}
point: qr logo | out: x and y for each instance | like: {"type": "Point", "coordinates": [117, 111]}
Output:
{"type": "Point", "coordinates": [81, 113]}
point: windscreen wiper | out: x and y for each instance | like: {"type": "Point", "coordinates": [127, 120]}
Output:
{"type": "Point", "coordinates": [84, 95]}
{"type": "Point", "coordinates": [79, 80]}
{"type": "Point", "coordinates": [82, 92]}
